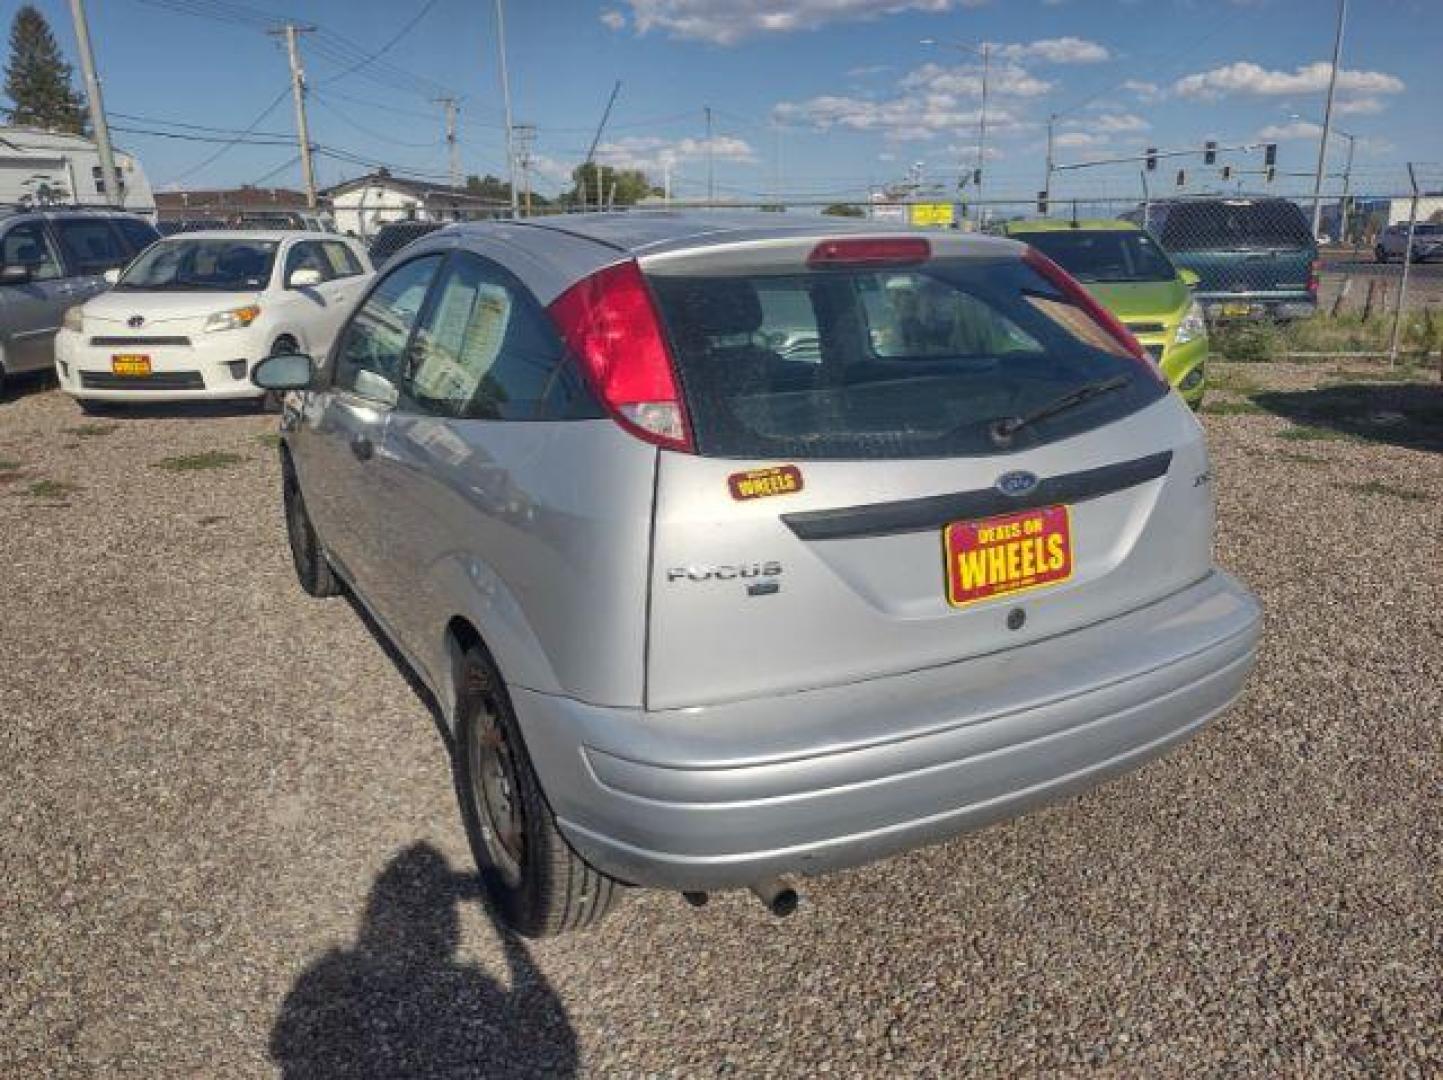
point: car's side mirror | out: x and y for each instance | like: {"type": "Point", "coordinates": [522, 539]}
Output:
{"type": "Point", "coordinates": [306, 277]}
{"type": "Point", "coordinates": [112, 275]}
{"type": "Point", "coordinates": [375, 387]}
{"type": "Point", "coordinates": [1189, 278]}
{"type": "Point", "coordinates": [289, 371]}
{"type": "Point", "coordinates": [16, 274]}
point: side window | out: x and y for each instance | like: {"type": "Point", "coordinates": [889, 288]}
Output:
{"type": "Point", "coordinates": [91, 245]}
{"type": "Point", "coordinates": [136, 233]}
{"type": "Point", "coordinates": [27, 245]}
{"type": "Point", "coordinates": [487, 351]}
{"type": "Point", "coordinates": [307, 256]}
{"type": "Point", "coordinates": [341, 259]}
{"type": "Point", "coordinates": [375, 340]}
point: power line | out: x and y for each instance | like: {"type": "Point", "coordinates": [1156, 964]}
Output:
{"type": "Point", "coordinates": [187, 137]}
{"type": "Point", "coordinates": [333, 111]}
{"type": "Point", "coordinates": [253, 125]}
{"type": "Point", "coordinates": [198, 127]}
{"type": "Point", "coordinates": [391, 42]}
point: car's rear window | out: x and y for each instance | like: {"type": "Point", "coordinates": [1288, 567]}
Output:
{"type": "Point", "coordinates": [887, 363]}
{"type": "Point", "coordinates": [1104, 255]}
{"type": "Point", "coordinates": [1235, 224]}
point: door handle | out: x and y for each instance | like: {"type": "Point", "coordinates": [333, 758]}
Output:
{"type": "Point", "coordinates": [362, 447]}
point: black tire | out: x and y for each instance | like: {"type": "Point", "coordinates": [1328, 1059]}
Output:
{"type": "Point", "coordinates": [1380, 255]}
{"type": "Point", "coordinates": [538, 885]}
{"type": "Point", "coordinates": [313, 570]}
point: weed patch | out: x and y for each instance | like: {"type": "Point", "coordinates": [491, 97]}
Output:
{"type": "Point", "coordinates": [90, 431]}
{"type": "Point", "coordinates": [51, 489]}
{"type": "Point", "coordinates": [1232, 408]}
{"type": "Point", "coordinates": [1377, 487]}
{"type": "Point", "coordinates": [207, 459]}
{"type": "Point", "coordinates": [271, 439]}
{"type": "Point", "coordinates": [1313, 434]}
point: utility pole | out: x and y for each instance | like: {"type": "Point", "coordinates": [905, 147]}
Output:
{"type": "Point", "coordinates": [1328, 117]}
{"type": "Point", "coordinates": [506, 96]}
{"type": "Point", "coordinates": [298, 92]}
{"type": "Point", "coordinates": [982, 129]}
{"type": "Point", "coordinates": [525, 136]}
{"type": "Point", "coordinates": [710, 161]}
{"type": "Point", "coordinates": [453, 148]}
{"type": "Point", "coordinates": [108, 174]}
{"type": "Point", "coordinates": [1047, 179]}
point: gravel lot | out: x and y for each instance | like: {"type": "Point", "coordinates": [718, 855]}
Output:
{"type": "Point", "coordinates": [231, 847]}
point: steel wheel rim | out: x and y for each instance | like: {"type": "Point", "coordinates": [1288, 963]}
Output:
{"type": "Point", "coordinates": [495, 791]}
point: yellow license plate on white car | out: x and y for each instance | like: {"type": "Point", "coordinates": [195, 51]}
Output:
{"type": "Point", "coordinates": [130, 364]}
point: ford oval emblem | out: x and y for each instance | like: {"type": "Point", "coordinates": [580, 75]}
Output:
{"type": "Point", "coordinates": [135, 322]}
{"type": "Point", "coordinates": [1016, 483]}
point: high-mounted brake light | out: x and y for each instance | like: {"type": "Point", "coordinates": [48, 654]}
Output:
{"type": "Point", "coordinates": [871, 251]}
{"type": "Point", "coordinates": [1081, 298]}
{"type": "Point", "coordinates": [610, 322]}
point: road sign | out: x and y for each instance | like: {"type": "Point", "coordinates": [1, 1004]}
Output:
{"type": "Point", "coordinates": [931, 213]}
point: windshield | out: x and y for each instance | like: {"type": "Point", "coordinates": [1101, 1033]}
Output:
{"type": "Point", "coordinates": [1104, 255]}
{"type": "Point", "coordinates": [1235, 224]}
{"type": "Point", "coordinates": [219, 265]}
{"type": "Point", "coordinates": [887, 363]}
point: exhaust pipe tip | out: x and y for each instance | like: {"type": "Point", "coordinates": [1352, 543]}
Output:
{"type": "Point", "coordinates": [778, 897]}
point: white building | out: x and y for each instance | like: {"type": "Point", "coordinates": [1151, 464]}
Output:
{"type": "Point", "coordinates": [362, 206]}
{"type": "Point", "coordinates": [48, 168]}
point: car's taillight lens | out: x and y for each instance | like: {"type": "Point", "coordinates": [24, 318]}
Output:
{"type": "Point", "coordinates": [871, 251]}
{"type": "Point", "coordinates": [1081, 298]}
{"type": "Point", "coordinates": [1314, 268]}
{"type": "Point", "coordinates": [610, 323]}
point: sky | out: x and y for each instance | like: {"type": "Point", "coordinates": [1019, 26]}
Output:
{"type": "Point", "coordinates": [818, 99]}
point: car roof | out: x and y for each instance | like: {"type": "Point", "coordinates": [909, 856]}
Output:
{"type": "Point", "coordinates": [50, 213]}
{"type": "Point", "coordinates": [1038, 225]}
{"type": "Point", "coordinates": [253, 234]}
{"type": "Point", "coordinates": [639, 232]}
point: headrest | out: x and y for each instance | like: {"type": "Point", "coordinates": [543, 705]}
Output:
{"type": "Point", "coordinates": [720, 306]}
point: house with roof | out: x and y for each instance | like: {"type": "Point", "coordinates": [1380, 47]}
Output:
{"type": "Point", "coordinates": [363, 205]}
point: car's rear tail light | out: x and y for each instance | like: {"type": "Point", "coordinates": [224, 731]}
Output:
{"type": "Point", "coordinates": [1313, 269]}
{"type": "Point", "coordinates": [610, 323]}
{"type": "Point", "coordinates": [871, 251]}
{"type": "Point", "coordinates": [1084, 300]}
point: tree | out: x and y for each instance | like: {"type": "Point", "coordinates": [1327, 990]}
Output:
{"type": "Point", "coordinates": [37, 79]}
{"type": "Point", "coordinates": [498, 190]}
{"type": "Point", "coordinates": [841, 209]}
{"type": "Point", "coordinates": [598, 184]}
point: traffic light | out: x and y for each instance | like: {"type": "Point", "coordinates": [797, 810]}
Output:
{"type": "Point", "coordinates": [1042, 203]}
{"type": "Point", "coordinates": [1181, 178]}
{"type": "Point", "coordinates": [1210, 152]}
{"type": "Point", "coordinates": [1152, 159]}
{"type": "Point", "coordinates": [1270, 154]}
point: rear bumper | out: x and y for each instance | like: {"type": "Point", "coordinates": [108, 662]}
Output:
{"type": "Point", "coordinates": [725, 795]}
{"type": "Point", "coordinates": [1223, 307]}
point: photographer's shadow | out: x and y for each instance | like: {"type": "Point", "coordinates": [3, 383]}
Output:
{"type": "Point", "coordinates": [401, 1004]}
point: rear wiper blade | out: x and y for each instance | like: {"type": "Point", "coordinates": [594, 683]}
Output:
{"type": "Point", "coordinates": [1005, 427]}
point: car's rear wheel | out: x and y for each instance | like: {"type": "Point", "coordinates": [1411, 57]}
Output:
{"type": "Point", "coordinates": [313, 570]}
{"type": "Point", "coordinates": [537, 883]}
{"type": "Point", "coordinates": [1380, 254]}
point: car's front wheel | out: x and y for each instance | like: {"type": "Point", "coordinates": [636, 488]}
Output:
{"type": "Point", "coordinates": [537, 883]}
{"type": "Point", "coordinates": [313, 570]}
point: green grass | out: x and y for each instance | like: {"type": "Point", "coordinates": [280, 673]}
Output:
{"type": "Point", "coordinates": [1254, 342]}
{"type": "Point", "coordinates": [1313, 434]}
{"type": "Point", "coordinates": [271, 439]}
{"type": "Point", "coordinates": [1233, 381]}
{"type": "Point", "coordinates": [206, 459]}
{"type": "Point", "coordinates": [51, 489]}
{"type": "Point", "coordinates": [90, 431]}
{"type": "Point", "coordinates": [8, 464]}
{"type": "Point", "coordinates": [1377, 487]}
{"type": "Point", "coordinates": [1232, 408]}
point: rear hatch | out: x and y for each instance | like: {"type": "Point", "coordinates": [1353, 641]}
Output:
{"type": "Point", "coordinates": [1258, 248]}
{"type": "Point", "coordinates": [852, 507]}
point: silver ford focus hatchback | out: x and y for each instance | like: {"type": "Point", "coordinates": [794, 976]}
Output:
{"type": "Point", "coordinates": [736, 548]}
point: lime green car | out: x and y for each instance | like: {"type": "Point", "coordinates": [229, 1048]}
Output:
{"type": "Point", "coordinates": [1130, 274]}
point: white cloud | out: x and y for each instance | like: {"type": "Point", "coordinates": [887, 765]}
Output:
{"type": "Point", "coordinates": [1078, 139]}
{"type": "Point", "coordinates": [900, 119]}
{"type": "Point", "coordinates": [1007, 80]}
{"type": "Point", "coordinates": [652, 154]}
{"type": "Point", "coordinates": [725, 22]}
{"type": "Point", "coordinates": [1251, 79]}
{"type": "Point", "coordinates": [1364, 106]}
{"type": "Point", "coordinates": [613, 20]}
{"type": "Point", "coordinates": [1147, 91]}
{"type": "Point", "coordinates": [1063, 50]}
{"type": "Point", "coordinates": [1116, 122]}
{"type": "Point", "coordinates": [867, 70]}
{"type": "Point", "coordinates": [1296, 129]}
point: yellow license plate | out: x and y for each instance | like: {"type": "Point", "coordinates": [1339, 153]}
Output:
{"type": "Point", "coordinates": [130, 364]}
{"type": "Point", "coordinates": [1007, 554]}
{"type": "Point", "coordinates": [1236, 310]}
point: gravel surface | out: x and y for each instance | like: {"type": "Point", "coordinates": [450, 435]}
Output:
{"type": "Point", "coordinates": [231, 847]}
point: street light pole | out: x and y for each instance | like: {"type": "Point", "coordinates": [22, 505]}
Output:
{"type": "Point", "coordinates": [1047, 179]}
{"type": "Point", "coordinates": [109, 176]}
{"type": "Point", "coordinates": [1328, 117]}
{"type": "Point", "coordinates": [506, 96]}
